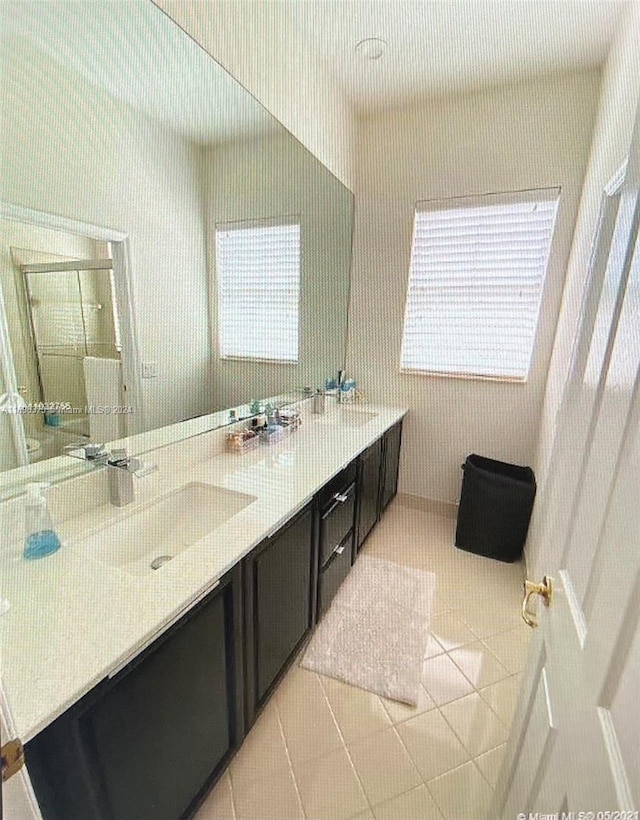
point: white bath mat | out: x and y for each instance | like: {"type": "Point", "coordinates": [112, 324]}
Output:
{"type": "Point", "coordinates": [375, 633]}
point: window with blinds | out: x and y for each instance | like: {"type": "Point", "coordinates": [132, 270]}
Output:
{"type": "Point", "coordinates": [475, 284]}
{"type": "Point", "coordinates": [258, 289]}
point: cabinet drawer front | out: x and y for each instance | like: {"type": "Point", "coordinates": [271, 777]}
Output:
{"type": "Point", "coordinates": [336, 522]}
{"type": "Point", "coordinates": [338, 484]}
{"type": "Point", "coordinates": [334, 573]}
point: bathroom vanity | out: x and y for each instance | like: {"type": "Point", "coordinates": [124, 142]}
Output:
{"type": "Point", "coordinates": [140, 709]}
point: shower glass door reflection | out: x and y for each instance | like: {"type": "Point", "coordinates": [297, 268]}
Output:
{"type": "Point", "coordinates": [72, 317]}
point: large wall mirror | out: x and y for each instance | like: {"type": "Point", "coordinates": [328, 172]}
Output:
{"type": "Point", "coordinates": [167, 247]}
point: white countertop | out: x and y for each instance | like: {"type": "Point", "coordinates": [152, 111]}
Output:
{"type": "Point", "coordinates": [73, 620]}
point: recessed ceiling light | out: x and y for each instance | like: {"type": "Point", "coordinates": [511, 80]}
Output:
{"type": "Point", "coordinates": [371, 49]}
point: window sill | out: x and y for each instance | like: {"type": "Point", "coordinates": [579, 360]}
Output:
{"type": "Point", "coordinates": [252, 360]}
{"type": "Point", "coordinates": [465, 376]}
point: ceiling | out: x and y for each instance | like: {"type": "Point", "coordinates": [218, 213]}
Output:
{"type": "Point", "coordinates": [137, 55]}
{"type": "Point", "coordinates": [133, 52]}
{"type": "Point", "coordinates": [444, 46]}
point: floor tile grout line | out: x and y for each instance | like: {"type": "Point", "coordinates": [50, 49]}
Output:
{"type": "Point", "coordinates": [415, 765]}
{"type": "Point", "coordinates": [495, 712]}
{"type": "Point", "coordinates": [420, 785]}
{"type": "Point", "coordinates": [455, 769]}
{"type": "Point", "coordinates": [466, 620]}
{"type": "Point", "coordinates": [509, 673]}
{"type": "Point", "coordinates": [291, 769]}
{"type": "Point", "coordinates": [496, 657]}
{"type": "Point", "coordinates": [481, 773]}
{"type": "Point", "coordinates": [346, 748]}
{"type": "Point", "coordinates": [471, 756]}
{"type": "Point", "coordinates": [493, 788]}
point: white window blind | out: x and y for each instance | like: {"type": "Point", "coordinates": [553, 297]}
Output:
{"type": "Point", "coordinates": [258, 286]}
{"type": "Point", "coordinates": [475, 284]}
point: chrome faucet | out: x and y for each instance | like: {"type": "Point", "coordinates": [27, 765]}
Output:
{"type": "Point", "coordinates": [122, 468]}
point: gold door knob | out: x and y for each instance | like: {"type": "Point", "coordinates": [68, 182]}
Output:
{"type": "Point", "coordinates": [544, 589]}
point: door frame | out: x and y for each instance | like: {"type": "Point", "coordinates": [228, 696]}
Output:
{"type": "Point", "coordinates": [125, 302]}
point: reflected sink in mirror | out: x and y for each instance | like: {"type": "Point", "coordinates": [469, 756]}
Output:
{"type": "Point", "coordinates": [348, 417]}
{"type": "Point", "coordinates": [149, 538]}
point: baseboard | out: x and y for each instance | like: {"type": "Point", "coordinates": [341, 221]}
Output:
{"type": "Point", "coordinates": [416, 502]}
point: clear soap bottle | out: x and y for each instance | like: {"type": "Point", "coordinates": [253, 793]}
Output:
{"type": "Point", "coordinates": [41, 539]}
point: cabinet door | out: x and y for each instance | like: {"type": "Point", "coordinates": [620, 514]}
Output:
{"type": "Point", "coordinates": [369, 491]}
{"type": "Point", "coordinates": [392, 440]}
{"type": "Point", "coordinates": [149, 742]}
{"type": "Point", "coordinates": [278, 604]}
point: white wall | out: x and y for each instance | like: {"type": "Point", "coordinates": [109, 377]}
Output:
{"type": "Point", "coordinates": [612, 137]}
{"type": "Point", "coordinates": [258, 43]}
{"type": "Point", "coordinates": [70, 150]}
{"type": "Point", "coordinates": [276, 176]}
{"type": "Point", "coordinates": [527, 135]}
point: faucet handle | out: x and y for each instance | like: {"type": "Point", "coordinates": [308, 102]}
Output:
{"type": "Point", "coordinates": [90, 452]}
{"type": "Point", "coordinates": [118, 458]}
{"type": "Point", "coordinates": [144, 468]}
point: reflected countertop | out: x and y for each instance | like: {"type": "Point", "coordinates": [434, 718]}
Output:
{"type": "Point", "coordinates": [73, 620]}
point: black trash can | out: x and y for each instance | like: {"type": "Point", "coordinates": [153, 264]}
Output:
{"type": "Point", "coordinates": [495, 508]}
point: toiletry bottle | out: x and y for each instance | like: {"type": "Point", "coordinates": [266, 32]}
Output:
{"type": "Point", "coordinates": [41, 538]}
{"type": "Point", "coordinates": [268, 411]}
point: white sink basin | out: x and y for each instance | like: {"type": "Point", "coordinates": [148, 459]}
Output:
{"type": "Point", "coordinates": [147, 539]}
{"type": "Point", "coordinates": [348, 417]}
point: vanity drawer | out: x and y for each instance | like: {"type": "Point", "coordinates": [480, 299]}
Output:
{"type": "Point", "coordinates": [337, 484]}
{"type": "Point", "coordinates": [334, 573]}
{"type": "Point", "coordinates": [336, 521]}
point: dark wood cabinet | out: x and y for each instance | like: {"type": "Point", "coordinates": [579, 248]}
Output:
{"type": "Point", "coordinates": [368, 491]}
{"type": "Point", "coordinates": [377, 481]}
{"type": "Point", "coordinates": [149, 742]}
{"type": "Point", "coordinates": [278, 578]}
{"type": "Point", "coordinates": [392, 440]}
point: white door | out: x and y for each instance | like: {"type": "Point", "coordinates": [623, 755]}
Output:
{"type": "Point", "coordinates": [18, 800]}
{"type": "Point", "coordinates": [575, 740]}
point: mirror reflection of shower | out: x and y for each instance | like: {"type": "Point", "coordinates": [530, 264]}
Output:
{"type": "Point", "coordinates": [75, 350]}
{"type": "Point", "coordinates": [59, 341]}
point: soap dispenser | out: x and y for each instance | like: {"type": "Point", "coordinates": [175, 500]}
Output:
{"type": "Point", "coordinates": [41, 538]}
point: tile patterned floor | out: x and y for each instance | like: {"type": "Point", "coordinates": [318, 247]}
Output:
{"type": "Point", "coordinates": [322, 749]}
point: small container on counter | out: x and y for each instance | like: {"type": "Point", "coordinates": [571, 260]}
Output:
{"type": "Point", "coordinates": [242, 441]}
{"type": "Point", "coordinates": [271, 434]}
{"type": "Point", "coordinates": [290, 419]}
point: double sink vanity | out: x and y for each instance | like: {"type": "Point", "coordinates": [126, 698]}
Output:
{"type": "Point", "coordinates": [138, 656]}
